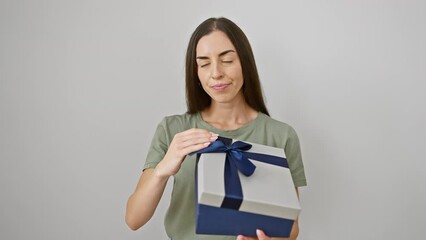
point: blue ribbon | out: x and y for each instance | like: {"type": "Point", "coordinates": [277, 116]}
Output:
{"type": "Point", "coordinates": [235, 153]}
{"type": "Point", "coordinates": [237, 159]}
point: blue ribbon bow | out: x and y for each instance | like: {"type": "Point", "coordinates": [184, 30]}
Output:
{"type": "Point", "coordinates": [237, 159]}
{"type": "Point", "coordinates": [235, 153]}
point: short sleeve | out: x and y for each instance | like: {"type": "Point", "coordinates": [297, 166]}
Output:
{"type": "Point", "coordinates": [294, 158]}
{"type": "Point", "coordinates": [159, 145]}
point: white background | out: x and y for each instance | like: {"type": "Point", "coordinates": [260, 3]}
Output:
{"type": "Point", "coordinates": [84, 83]}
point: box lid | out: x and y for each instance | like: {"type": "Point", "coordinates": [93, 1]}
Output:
{"type": "Point", "coordinates": [269, 191]}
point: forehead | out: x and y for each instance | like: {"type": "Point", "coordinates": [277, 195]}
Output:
{"type": "Point", "coordinates": [213, 44]}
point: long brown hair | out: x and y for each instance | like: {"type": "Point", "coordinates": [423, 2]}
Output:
{"type": "Point", "coordinates": [196, 98]}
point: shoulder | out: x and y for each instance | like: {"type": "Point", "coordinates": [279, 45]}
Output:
{"type": "Point", "coordinates": [274, 132]}
{"type": "Point", "coordinates": [278, 126]}
{"type": "Point", "coordinates": [180, 119]}
{"type": "Point", "coordinates": [178, 123]}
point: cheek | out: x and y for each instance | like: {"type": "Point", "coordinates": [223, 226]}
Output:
{"type": "Point", "coordinates": [203, 75]}
{"type": "Point", "coordinates": [236, 74]}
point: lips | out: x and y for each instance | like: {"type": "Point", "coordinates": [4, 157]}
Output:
{"type": "Point", "coordinates": [220, 86]}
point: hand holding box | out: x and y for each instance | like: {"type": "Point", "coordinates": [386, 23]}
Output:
{"type": "Point", "coordinates": [242, 187]}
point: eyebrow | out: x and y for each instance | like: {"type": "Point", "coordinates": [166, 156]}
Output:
{"type": "Point", "coordinates": [220, 54]}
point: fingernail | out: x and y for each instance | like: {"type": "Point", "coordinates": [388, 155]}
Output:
{"type": "Point", "coordinates": [206, 144]}
{"type": "Point", "coordinates": [213, 138]}
{"type": "Point", "coordinates": [214, 134]}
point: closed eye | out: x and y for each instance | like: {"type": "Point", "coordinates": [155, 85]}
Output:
{"type": "Point", "coordinates": [204, 65]}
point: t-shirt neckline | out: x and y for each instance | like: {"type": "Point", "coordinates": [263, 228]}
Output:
{"type": "Point", "coordinates": [243, 129]}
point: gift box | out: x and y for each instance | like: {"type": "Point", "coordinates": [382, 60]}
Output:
{"type": "Point", "coordinates": [241, 187]}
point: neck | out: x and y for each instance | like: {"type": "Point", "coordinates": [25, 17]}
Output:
{"type": "Point", "coordinates": [229, 116]}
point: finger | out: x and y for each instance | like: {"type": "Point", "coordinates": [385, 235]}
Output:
{"type": "Point", "coordinates": [194, 137]}
{"type": "Point", "coordinates": [261, 235]}
{"type": "Point", "coordinates": [242, 237]}
{"type": "Point", "coordinates": [193, 131]}
{"type": "Point", "coordinates": [198, 143]}
{"type": "Point", "coordinates": [195, 147]}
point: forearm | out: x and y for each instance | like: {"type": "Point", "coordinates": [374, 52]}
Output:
{"type": "Point", "coordinates": [143, 202]}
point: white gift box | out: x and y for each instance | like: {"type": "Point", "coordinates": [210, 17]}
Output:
{"type": "Point", "coordinates": [269, 199]}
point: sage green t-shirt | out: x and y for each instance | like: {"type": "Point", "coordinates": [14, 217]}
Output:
{"type": "Point", "coordinates": [180, 217]}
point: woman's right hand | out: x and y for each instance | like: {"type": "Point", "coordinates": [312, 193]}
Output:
{"type": "Point", "coordinates": [183, 143]}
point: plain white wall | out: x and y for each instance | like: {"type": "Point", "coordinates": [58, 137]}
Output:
{"type": "Point", "coordinates": [84, 83]}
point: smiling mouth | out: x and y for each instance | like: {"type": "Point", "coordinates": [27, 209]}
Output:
{"type": "Point", "coordinates": [220, 87]}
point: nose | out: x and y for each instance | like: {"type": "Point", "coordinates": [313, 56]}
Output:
{"type": "Point", "coordinates": [217, 72]}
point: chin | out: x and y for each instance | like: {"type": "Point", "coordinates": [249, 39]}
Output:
{"type": "Point", "coordinates": [222, 99]}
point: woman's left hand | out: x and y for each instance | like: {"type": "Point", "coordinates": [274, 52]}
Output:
{"type": "Point", "coordinates": [260, 236]}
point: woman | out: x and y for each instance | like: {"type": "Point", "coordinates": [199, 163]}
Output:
{"type": "Point", "coordinates": [224, 98]}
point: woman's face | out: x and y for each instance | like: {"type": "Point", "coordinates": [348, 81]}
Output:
{"type": "Point", "coordinates": [219, 68]}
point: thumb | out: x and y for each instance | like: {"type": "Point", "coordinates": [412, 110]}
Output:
{"type": "Point", "coordinates": [261, 235]}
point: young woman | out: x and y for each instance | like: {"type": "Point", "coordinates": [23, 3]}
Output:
{"type": "Point", "coordinates": [224, 97]}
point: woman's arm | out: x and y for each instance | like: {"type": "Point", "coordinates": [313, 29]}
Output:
{"type": "Point", "coordinates": [143, 202]}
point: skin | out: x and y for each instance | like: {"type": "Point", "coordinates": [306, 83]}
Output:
{"type": "Point", "coordinates": [220, 74]}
